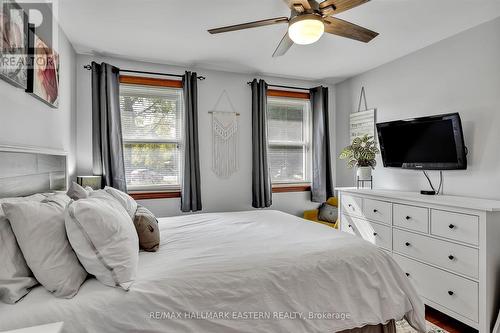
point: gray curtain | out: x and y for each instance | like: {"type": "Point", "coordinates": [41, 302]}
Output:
{"type": "Point", "coordinates": [191, 187]}
{"type": "Point", "coordinates": [107, 145]}
{"type": "Point", "coordinates": [322, 180]}
{"type": "Point", "coordinates": [261, 180]}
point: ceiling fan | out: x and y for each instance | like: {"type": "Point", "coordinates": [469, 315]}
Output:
{"type": "Point", "coordinates": [308, 21]}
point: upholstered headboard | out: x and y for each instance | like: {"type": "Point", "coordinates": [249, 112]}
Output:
{"type": "Point", "coordinates": [25, 171]}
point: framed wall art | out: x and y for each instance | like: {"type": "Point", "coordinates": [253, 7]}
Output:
{"type": "Point", "coordinates": [43, 72]}
{"type": "Point", "coordinates": [13, 44]}
{"type": "Point", "coordinates": [362, 123]}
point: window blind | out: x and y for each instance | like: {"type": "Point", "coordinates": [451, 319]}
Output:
{"type": "Point", "coordinates": [288, 122]}
{"type": "Point", "coordinates": [152, 135]}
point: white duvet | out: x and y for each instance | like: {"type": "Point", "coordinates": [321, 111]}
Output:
{"type": "Point", "coordinates": [258, 271]}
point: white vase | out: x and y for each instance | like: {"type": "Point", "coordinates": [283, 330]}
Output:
{"type": "Point", "coordinates": [364, 173]}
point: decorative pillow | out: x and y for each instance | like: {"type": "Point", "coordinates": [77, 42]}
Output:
{"type": "Point", "coordinates": [146, 226]}
{"type": "Point", "coordinates": [124, 199]}
{"type": "Point", "coordinates": [104, 239]}
{"type": "Point", "coordinates": [40, 231]}
{"type": "Point", "coordinates": [77, 192]}
{"type": "Point", "coordinates": [15, 276]}
{"type": "Point", "coordinates": [328, 213]}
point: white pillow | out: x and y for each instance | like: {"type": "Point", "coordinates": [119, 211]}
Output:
{"type": "Point", "coordinates": [125, 200]}
{"type": "Point", "coordinates": [40, 231]}
{"type": "Point", "coordinates": [15, 276]}
{"type": "Point", "coordinates": [104, 239]}
{"type": "Point", "coordinates": [76, 191]}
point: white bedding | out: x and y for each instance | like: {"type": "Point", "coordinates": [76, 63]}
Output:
{"type": "Point", "coordinates": [234, 265]}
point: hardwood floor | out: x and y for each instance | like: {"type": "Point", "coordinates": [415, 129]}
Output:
{"type": "Point", "coordinates": [446, 322]}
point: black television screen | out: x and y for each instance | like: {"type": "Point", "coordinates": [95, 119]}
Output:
{"type": "Point", "coordinates": [428, 143]}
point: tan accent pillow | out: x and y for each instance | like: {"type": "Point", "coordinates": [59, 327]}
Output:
{"type": "Point", "coordinates": [147, 229]}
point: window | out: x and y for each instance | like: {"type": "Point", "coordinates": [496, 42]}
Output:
{"type": "Point", "coordinates": [289, 153]}
{"type": "Point", "coordinates": [152, 116]}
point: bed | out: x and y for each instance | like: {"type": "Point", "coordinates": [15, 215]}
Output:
{"type": "Point", "coordinates": [256, 271]}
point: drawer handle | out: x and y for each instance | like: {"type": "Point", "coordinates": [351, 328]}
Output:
{"type": "Point", "coordinates": [407, 244]}
{"type": "Point", "coordinates": [375, 211]}
{"type": "Point", "coordinates": [407, 217]}
{"type": "Point", "coordinates": [451, 226]}
{"type": "Point", "coordinates": [375, 234]}
{"type": "Point", "coordinates": [451, 257]}
{"type": "Point", "coordinates": [450, 292]}
{"type": "Point", "coordinates": [407, 274]}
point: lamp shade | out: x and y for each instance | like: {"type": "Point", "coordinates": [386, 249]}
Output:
{"type": "Point", "coordinates": [92, 181]}
{"type": "Point", "coordinates": [306, 29]}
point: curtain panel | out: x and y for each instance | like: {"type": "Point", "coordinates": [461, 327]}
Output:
{"type": "Point", "coordinates": [191, 183]}
{"type": "Point", "coordinates": [107, 143]}
{"type": "Point", "coordinates": [261, 179]}
{"type": "Point", "coordinates": [322, 179]}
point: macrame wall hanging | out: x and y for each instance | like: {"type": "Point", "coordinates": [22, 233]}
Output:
{"type": "Point", "coordinates": [225, 140]}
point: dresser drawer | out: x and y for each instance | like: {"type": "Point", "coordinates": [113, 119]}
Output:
{"type": "Point", "coordinates": [352, 205]}
{"type": "Point", "coordinates": [411, 217]}
{"type": "Point", "coordinates": [381, 236]}
{"type": "Point", "coordinates": [377, 210]}
{"type": "Point", "coordinates": [457, 258]}
{"type": "Point", "coordinates": [378, 234]}
{"type": "Point", "coordinates": [451, 291]}
{"type": "Point", "coordinates": [347, 224]}
{"type": "Point", "coordinates": [460, 227]}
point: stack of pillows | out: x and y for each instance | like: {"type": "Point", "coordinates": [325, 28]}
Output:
{"type": "Point", "coordinates": [58, 239]}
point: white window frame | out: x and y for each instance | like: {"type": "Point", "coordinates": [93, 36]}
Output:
{"type": "Point", "coordinates": [305, 144]}
{"type": "Point", "coordinates": [178, 142]}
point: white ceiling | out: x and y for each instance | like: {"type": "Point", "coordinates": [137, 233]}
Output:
{"type": "Point", "coordinates": [174, 32]}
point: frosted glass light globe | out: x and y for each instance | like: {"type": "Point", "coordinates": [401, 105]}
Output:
{"type": "Point", "coordinates": [306, 29]}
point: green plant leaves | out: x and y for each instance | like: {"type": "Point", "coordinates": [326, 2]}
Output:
{"type": "Point", "coordinates": [361, 152]}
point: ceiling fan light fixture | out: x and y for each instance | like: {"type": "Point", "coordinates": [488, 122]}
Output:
{"type": "Point", "coordinates": [306, 29]}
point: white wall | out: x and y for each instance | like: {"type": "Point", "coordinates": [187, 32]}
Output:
{"type": "Point", "coordinates": [231, 194]}
{"type": "Point", "coordinates": [26, 121]}
{"type": "Point", "coordinates": [459, 74]}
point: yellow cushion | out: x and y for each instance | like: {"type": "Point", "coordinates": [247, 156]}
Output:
{"type": "Point", "coordinates": [331, 225]}
{"type": "Point", "coordinates": [311, 215]}
{"type": "Point", "coordinates": [333, 201]}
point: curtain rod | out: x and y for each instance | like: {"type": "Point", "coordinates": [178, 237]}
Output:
{"type": "Point", "coordinates": [286, 87]}
{"type": "Point", "coordinates": [201, 78]}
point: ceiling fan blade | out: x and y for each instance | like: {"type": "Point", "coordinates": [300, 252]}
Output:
{"type": "Point", "coordinates": [331, 7]}
{"type": "Point", "coordinates": [284, 45]}
{"type": "Point", "coordinates": [255, 24]}
{"type": "Point", "coordinates": [299, 6]}
{"type": "Point", "coordinates": [350, 30]}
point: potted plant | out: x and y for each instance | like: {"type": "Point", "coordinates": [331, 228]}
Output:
{"type": "Point", "coordinates": [361, 154]}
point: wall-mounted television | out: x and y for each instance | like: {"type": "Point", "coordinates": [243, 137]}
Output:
{"type": "Point", "coordinates": [427, 143]}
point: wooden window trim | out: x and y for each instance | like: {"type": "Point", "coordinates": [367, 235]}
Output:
{"type": "Point", "coordinates": [153, 82]}
{"type": "Point", "coordinates": [150, 81]}
{"type": "Point", "coordinates": [288, 94]}
{"type": "Point", "coordinates": [291, 188]}
{"type": "Point", "coordinates": [155, 195]}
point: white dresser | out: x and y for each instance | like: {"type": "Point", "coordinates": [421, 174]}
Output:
{"type": "Point", "coordinates": [448, 246]}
